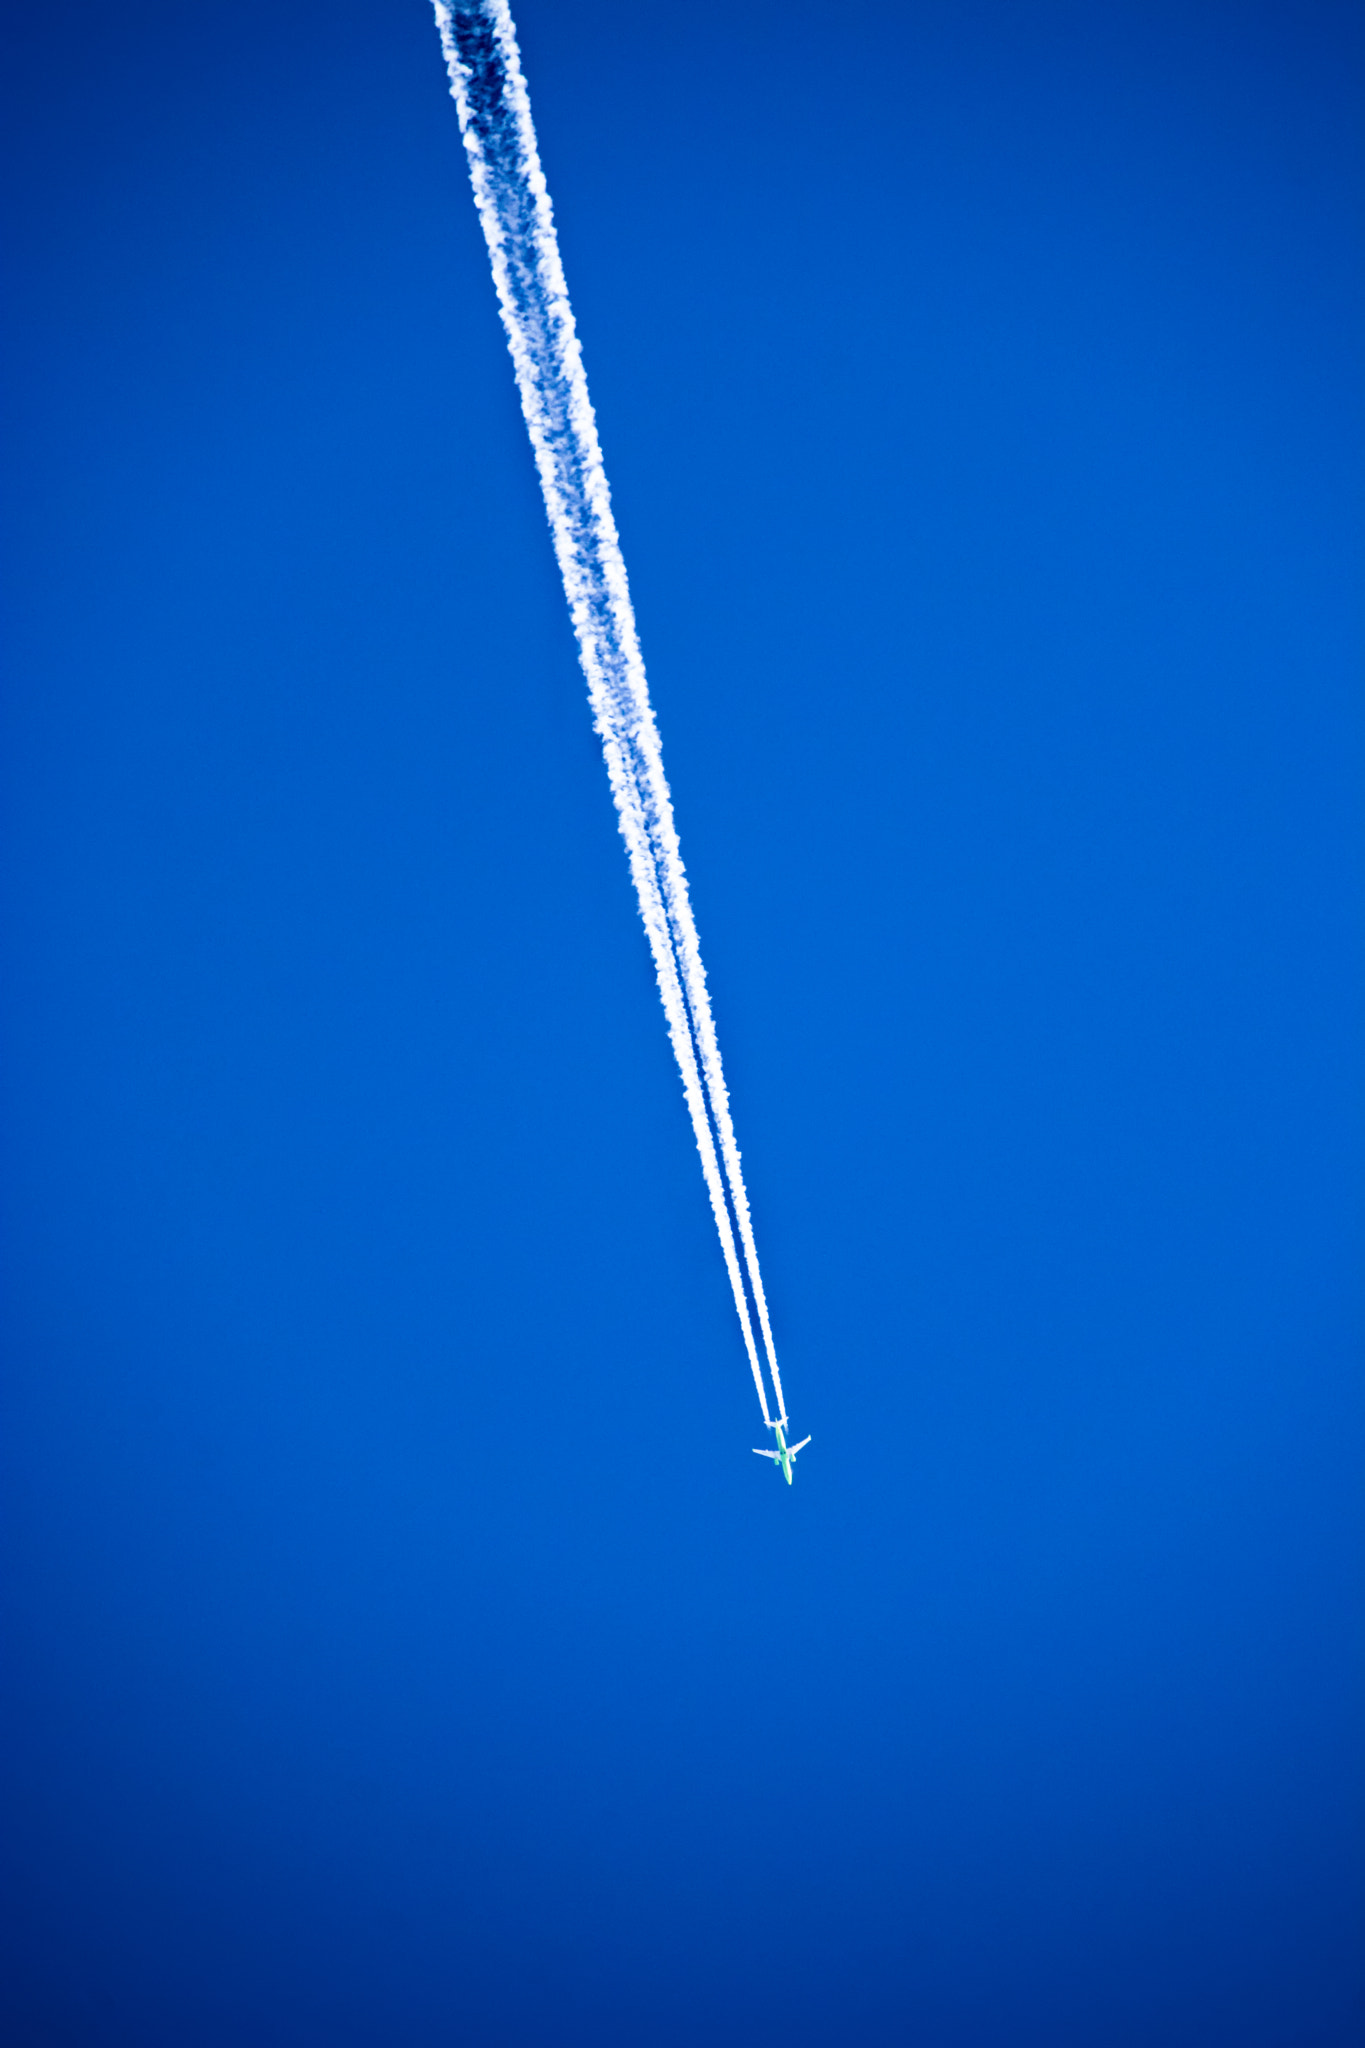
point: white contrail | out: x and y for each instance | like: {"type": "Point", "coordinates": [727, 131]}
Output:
{"type": "Point", "coordinates": [487, 86]}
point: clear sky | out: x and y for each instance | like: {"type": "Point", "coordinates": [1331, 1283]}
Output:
{"type": "Point", "coordinates": [401, 1644]}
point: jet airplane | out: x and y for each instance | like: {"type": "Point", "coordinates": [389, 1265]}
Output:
{"type": "Point", "coordinates": [785, 1452]}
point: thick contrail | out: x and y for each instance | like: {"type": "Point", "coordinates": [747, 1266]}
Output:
{"type": "Point", "coordinates": [487, 86]}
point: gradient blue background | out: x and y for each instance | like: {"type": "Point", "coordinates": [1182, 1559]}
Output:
{"type": "Point", "coordinates": [401, 1644]}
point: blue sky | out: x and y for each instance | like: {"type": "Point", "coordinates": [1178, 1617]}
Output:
{"type": "Point", "coordinates": [402, 1643]}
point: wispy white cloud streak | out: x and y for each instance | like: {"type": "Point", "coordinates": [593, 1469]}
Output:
{"type": "Point", "coordinates": [486, 83]}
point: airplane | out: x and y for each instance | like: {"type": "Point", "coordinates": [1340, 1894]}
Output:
{"type": "Point", "coordinates": [785, 1452]}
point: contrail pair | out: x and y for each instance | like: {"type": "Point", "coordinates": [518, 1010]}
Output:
{"type": "Point", "coordinates": [487, 86]}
